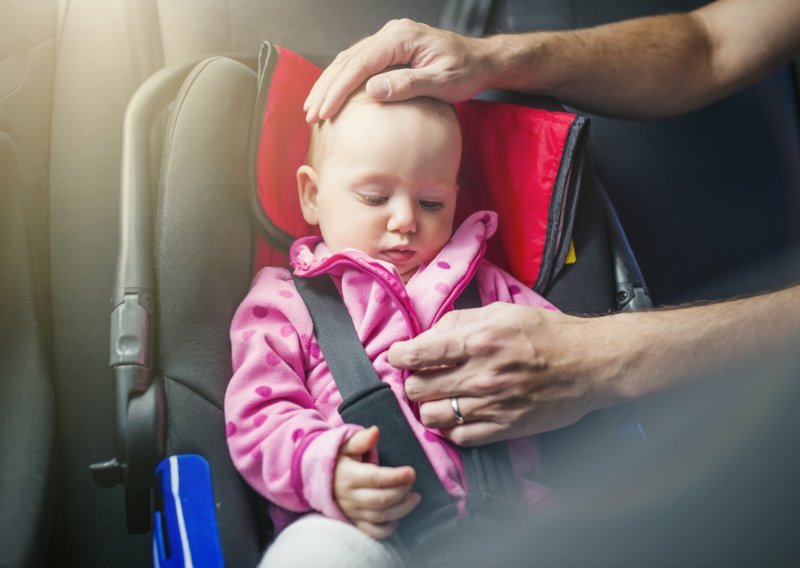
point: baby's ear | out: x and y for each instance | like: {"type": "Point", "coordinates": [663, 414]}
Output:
{"type": "Point", "coordinates": [307, 190]}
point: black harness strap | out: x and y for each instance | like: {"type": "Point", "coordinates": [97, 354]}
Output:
{"type": "Point", "coordinates": [368, 401]}
{"type": "Point", "coordinates": [487, 468]}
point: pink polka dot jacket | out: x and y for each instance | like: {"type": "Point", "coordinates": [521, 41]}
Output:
{"type": "Point", "coordinates": [283, 427]}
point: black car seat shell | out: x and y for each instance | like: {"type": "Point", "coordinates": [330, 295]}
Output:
{"type": "Point", "coordinates": [184, 290]}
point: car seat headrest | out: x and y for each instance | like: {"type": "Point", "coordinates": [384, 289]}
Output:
{"type": "Point", "coordinates": [522, 162]}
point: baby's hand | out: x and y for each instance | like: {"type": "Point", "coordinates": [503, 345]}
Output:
{"type": "Point", "coordinates": [371, 496]}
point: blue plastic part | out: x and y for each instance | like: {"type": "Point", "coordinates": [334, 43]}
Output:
{"type": "Point", "coordinates": [185, 523]}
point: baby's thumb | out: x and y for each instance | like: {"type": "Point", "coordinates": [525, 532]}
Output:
{"type": "Point", "coordinates": [361, 442]}
{"type": "Point", "coordinates": [402, 84]}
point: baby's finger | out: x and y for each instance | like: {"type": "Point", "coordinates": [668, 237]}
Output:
{"type": "Point", "coordinates": [391, 513]}
{"type": "Point", "coordinates": [364, 498]}
{"type": "Point", "coordinates": [367, 475]}
{"type": "Point", "coordinates": [361, 442]}
{"type": "Point", "coordinates": [377, 531]}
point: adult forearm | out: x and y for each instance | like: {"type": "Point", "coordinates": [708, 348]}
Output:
{"type": "Point", "coordinates": [645, 67]}
{"type": "Point", "coordinates": [653, 66]}
{"type": "Point", "coordinates": [664, 349]}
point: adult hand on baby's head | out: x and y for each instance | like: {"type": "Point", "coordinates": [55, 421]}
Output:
{"type": "Point", "coordinates": [442, 64]}
{"type": "Point", "coordinates": [375, 498]}
{"type": "Point", "coordinates": [516, 371]}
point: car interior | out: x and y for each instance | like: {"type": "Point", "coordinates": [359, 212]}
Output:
{"type": "Point", "coordinates": [708, 201]}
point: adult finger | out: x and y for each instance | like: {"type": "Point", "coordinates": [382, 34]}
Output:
{"type": "Point", "coordinates": [449, 342]}
{"type": "Point", "coordinates": [444, 383]}
{"type": "Point", "coordinates": [477, 433]}
{"type": "Point", "coordinates": [343, 79]}
{"type": "Point", "coordinates": [352, 66]}
{"type": "Point", "coordinates": [429, 350]}
{"type": "Point", "coordinates": [440, 413]}
{"type": "Point", "coordinates": [402, 84]}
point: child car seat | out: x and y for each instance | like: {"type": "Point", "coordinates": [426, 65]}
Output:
{"type": "Point", "coordinates": [196, 259]}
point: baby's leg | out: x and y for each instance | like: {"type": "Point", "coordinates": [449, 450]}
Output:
{"type": "Point", "coordinates": [314, 541]}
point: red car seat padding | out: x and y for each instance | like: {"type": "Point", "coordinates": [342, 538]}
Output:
{"type": "Point", "coordinates": [511, 159]}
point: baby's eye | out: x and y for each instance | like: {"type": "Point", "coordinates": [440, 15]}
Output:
{"type": "Point", "coordinates": [431, 205]}
{"type": "Point", "coordinates": [373, 199]}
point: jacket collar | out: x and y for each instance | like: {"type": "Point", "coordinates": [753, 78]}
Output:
{"type": "Point", "coordinates": [432, 289]}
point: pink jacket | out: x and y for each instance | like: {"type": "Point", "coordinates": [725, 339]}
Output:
{"type": "Point", "coordinates": [283, 427]}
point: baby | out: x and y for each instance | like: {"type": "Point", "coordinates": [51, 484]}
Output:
{"type": "Point", "coordinates": [381, 183]}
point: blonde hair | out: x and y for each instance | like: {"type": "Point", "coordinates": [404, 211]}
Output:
{"type": "Point", "coordinates": [320, 136]}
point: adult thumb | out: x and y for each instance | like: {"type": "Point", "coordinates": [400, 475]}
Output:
{"type": "Point", "coordinates": [402, 84]}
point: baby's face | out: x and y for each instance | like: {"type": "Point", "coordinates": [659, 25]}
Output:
{"type": "Point", "coordinates": [386, 182]}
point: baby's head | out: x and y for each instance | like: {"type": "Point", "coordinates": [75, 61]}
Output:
{"type": "Point", "coordinates": [382, 178]}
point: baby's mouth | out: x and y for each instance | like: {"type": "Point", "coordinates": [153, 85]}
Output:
{"type": "Point", "coordinates": [398, 256]}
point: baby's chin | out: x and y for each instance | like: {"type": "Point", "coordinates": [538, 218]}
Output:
{"type": "Point", "coordinates": [406, 276]}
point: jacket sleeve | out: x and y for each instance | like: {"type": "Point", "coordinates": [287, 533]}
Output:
{"type": "Point", "coordinates": [279, 441]}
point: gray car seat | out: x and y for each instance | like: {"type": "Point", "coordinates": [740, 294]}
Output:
{"type": "Point", "coordinates": [87, 116]}
{"type": "Point", "coordinates": [27, 435]}
{"type": "Point", "coordinates": [27, 406]}
{"type": "Point", "coordinates": [182, 274]}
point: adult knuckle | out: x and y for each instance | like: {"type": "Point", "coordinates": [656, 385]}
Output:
{"type": "Point", "coordinates": [480, 342]}
{"type": "Point", "coordinates": [462, 438]}
{"type": "Point", "coordinates": [408, 81]}
{"type": "Point", "coordinates": [457, 348]}
{"type": "Point", "coordinates": [340, 58]}
{"type": "Point", "coordinates": [414, 356]}
{"type": "Point", "coordinates": [412, 390]}
{"type": "Point", "coordinates": [403, 23]}
{"type": "Point", "coordinates": [485, 382]}
{"type": "Point", "coordinates": [359, 64]}
{"type": "Point", "coordinates": [428, 416]}
{"type": "Point", "coordinates": [451, 318]}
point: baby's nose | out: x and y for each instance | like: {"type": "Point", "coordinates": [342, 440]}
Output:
{"type": "Point", "coordinates": [403, 218]}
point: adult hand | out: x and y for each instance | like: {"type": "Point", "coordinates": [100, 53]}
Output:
{"type": "Point", "coordinates": [371, 496]}
{"type": "Point", "coordinates": [516, 370]}
{"type": "Point", "coordinates": [442, 64]}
